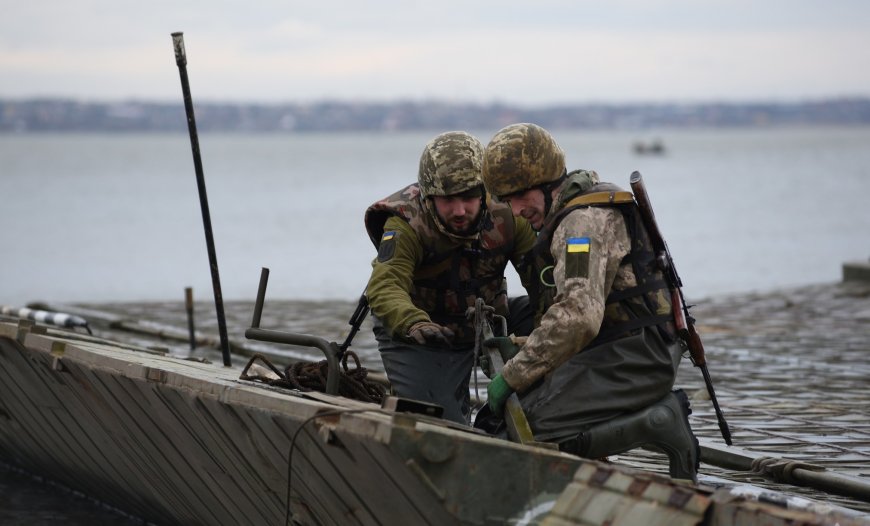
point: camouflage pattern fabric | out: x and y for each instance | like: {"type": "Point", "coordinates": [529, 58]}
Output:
{"type": "Point", "coordinates": [433, 276]}
{"type": "Point", "coordinates": [573, 318]}
{"type": "Point", "coordinates": [521, 156]}
{"type": "Point", "coordinates": [569, 375]}
{"type": "Point", "coordinates": [450, 165]}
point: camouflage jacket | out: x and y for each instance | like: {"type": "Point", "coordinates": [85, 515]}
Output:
{"type": "Point", "coordinates": [422, 273]}
{"type": "Point", "coordinates": [597, 280]}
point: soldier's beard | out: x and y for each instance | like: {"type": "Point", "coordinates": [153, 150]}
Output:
{"type": "Point", "coordinates": [469, 225]}
{"type": "Point", "coordinates": [467, 232]}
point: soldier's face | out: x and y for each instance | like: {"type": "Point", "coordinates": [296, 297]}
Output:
{"type": "Point", "coordinates": [458, 213]}
{"type": "Point", "coordinates": [530, 205]}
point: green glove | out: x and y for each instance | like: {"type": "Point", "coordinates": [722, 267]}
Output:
{"type": "Point", "coordinates": [497, 393]}
{"type": "Point", "coordinates": [506, 346]}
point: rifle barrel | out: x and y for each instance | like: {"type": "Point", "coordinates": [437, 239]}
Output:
{"type": "Point", "coordinates": [720, 418]}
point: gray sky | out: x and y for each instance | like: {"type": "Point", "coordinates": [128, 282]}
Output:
{"type": "Point", "coordinates": [527, 52]}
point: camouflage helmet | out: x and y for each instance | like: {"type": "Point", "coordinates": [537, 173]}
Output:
{"type": "Point", "coordinates": [519, 157]}
{"type": "Point", "coordinates": [450, 165]}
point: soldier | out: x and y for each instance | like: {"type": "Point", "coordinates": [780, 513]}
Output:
{"type": "Point", "coordinates": [595, 374]}
{"type": "Point", "coordinates": [440, 246]}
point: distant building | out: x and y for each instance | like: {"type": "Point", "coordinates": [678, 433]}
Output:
{"type": "Point", "coordinates": [41, 115]}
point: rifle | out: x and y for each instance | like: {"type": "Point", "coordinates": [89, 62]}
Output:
{"type": "Point", "coordinates": [518, 427]}
{"type": "Point", "coordinates": [356, 319]}
{"type": "Point", "coordinates": [682, 319]}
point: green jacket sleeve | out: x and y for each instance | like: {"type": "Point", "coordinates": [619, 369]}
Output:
{"type": "Point", "coordinates": [390, 284]}
{"type": "Point", "coordinates": [525, 239]}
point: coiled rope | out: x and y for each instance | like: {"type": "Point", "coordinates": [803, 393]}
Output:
{"type": "Point", "coordinates": [311, 376]}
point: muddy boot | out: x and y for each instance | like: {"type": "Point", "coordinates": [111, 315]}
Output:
{"type": "Point", "coordinates": [663, 426]}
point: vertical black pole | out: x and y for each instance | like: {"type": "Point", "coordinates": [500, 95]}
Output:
{"type": "Point", "coordinates": [188, 305]}
{"type": "Point", "coordinates": [181, 60]}
{"type": "Point", "coordinates": [261, 298]}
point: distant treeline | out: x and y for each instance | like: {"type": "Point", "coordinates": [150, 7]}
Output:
{"type": "Point", "coordinates": [43, 115]}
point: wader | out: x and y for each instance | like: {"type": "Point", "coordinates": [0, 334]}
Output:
{"type": "Point", "coordinates": [436, 374]}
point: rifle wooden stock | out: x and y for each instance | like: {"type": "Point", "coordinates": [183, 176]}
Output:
{"type": "Point", "coordinates": [660, 248]}
{"type": "Point", "coordinates": [684, 323]}
{"type": "Point", "coordinates": [696, 348]}
{"type": "Point", "coordinates": [679, 314]}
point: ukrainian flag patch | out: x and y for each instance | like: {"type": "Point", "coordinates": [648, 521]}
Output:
{"type": "Point", "coordinates": [578, 244]}
{"type": "Point", "coordinates": [388, 246]}
{"type": "Point", "coordinates": [577, 251]}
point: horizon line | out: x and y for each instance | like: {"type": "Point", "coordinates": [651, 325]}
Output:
{"type": "Point", "coordinates": [442, 101]}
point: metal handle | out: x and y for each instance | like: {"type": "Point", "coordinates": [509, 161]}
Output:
{"type": "Point", "coordinates": [329, 349]}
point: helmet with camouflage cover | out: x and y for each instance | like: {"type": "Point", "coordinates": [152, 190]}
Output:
{"type": "Point", "coordinates": [519, 157]}
{"type": "Point", "coordinates": [450, 165]}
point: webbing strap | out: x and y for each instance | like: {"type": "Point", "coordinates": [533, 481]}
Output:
{"type": "Point", "coordinates": [632, 292]}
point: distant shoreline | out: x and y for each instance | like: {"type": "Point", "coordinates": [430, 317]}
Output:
{"type": "Point", "coordinates": [69, 115]}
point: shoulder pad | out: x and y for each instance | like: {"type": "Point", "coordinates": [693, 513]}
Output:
{"type": "Point", "coordinates": [601, 198]}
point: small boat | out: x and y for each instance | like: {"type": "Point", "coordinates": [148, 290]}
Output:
{"type": "Point", "coordinates": [178, 441]}
{"type": "Point", "coordinates": [654, 147]}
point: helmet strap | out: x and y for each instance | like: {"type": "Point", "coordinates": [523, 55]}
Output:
{"type": "Point", "coordinates": [548, 188]}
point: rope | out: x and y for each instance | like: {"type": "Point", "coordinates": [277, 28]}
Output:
{"type": "Point", "coordinates": [480, 314]}
{"type": "Point", "coordinates": [311, 376]}
{"type": "Point", "coordinates": [781, 470]}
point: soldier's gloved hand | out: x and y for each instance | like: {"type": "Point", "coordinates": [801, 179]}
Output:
{"type": "Point", "coordinates": [485, 364]}
{"type": "Point", "coordinates": [505, 345]}
{"type": "Point", "coordinates": [497, 393]}
{"type": "Point", "coordinates": [518, 340]}
{"type": "Point", "coordinates": [424, 332]}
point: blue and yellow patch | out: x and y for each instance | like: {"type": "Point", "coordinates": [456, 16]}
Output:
{"type": "Point", "coordinates": [577, 251]}
{"type": "Point", "coordinates": [578, 244]}
{"type": "Point", "coordinates": [388, 246]}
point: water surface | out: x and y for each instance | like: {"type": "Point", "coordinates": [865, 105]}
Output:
{"type": "Point", "coordinates": [117, 217]}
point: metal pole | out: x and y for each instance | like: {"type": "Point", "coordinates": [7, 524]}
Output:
{"type": "Point", "coordinates": [261, 298]}
{"type": "Point", "coordinates": [188, 305]}
{"type": "Point", "coordinates": [329, 349]}
{"type": "Point", "coordinates": [181, 60]}
{"type": "Point", "coordinates": [785, 470]}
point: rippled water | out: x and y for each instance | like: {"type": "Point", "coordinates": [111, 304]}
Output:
{"type": "Point", "coordinates": [103, 218]}
{"type": "Point", "coordinates": [30, 501]}
{"type": "Point", "coordinates": [117, 217]}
